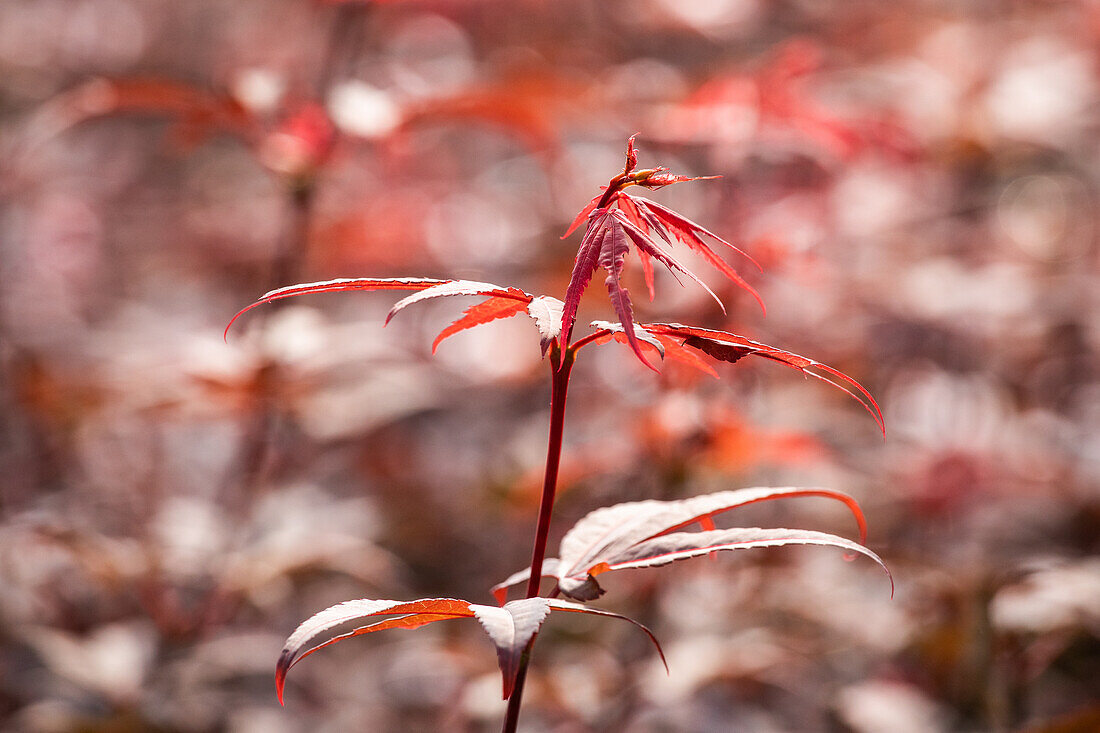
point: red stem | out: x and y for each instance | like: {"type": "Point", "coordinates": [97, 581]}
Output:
{"type": "Point", "coordinates": [558, 390]}
{"type": "Point", "coordinates": [562, 363]}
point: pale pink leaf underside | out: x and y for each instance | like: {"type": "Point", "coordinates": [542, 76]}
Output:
{"type": "Point", "coordinates": [547, 314]}
{"type": "Point", "coordinates": [510, 627]}
{"type": "Point", "coordinates": [605, 537]}
{"type": "Point", "coordinates": [460, 287]}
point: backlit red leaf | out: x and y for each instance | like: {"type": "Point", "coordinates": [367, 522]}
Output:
{"type": "Point", "coordinates": [582, 216]}
{"type": "Point", "coordinates": [636, 220]}
{"type": "Point", "coordinates": [488, 310]}
{"type": "Point", "coordinates": [614, 249]}
{"type": "Point", "coordinates": [647, 247]}
{"type": "Point", "coordinates": [688, 232]}
{"type": "Point", "coordinates": [585, 264]}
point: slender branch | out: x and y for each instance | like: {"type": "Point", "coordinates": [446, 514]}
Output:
{"type": "Point", "coordinates": [562, 364]}
{"type": "Point", "coordinates": [558, 389]}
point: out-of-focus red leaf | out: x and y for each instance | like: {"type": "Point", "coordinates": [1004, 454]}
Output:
{"type": "Point", "coordinates": [734, 443]}
{"type": "Point", "coordinates": [643, 534]}
{"type": "Point", "coordinates": [300, 144]}
{"type": "Point", "coordinates": [199, 111]}
{"type": "Point", "coordinates": [510, 627]}
{"type": "Point", "coordinates": [529, 103]}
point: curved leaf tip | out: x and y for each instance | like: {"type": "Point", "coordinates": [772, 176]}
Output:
{"type": "Point", "coordinates": [730, 347]}
{"type": "Point", "coordinates": [343, 283]}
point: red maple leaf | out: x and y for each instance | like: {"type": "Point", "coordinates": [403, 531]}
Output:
{"type": "Point", "coordinates": [651, 228]}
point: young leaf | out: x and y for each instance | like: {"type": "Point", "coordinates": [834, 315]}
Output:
{"type": "Point", "coordinates": [584, 266]}
{"type": "Point", "coordinates": [609, 232]}
{"type": "Point", "coordinates": [614, 249]}
{"type": "Point", "coordinates": [583, 214]}
{"type": "Point", "coordinates": [663, 219]}
{"type": "Point", "coordinates": [646, 247]}
{"type": "Point", "coordinates": [730, 347]}
{"type": "Point", "coordinates": [546, 312]}
{"type": "Point", "coordinates": [626, 535]}
{"type": "Point", "coordinates": [510, 627]}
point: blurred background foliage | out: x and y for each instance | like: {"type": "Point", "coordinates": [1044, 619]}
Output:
{"type": "Point", "coordinates": [918, 179]}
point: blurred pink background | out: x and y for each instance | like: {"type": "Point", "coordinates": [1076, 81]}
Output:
{"type": "Point", "coordinates": [918, 179]}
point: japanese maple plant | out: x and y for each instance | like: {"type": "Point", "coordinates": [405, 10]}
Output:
{"type": "Point", "coordinates": [639, 534]}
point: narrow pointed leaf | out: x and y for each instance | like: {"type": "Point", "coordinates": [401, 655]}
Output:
{"type": "Point", "coordinates": [588, 259]}
{"type": "Point", "coordinates": [612, 254]}
{"type": "Point", "coordinates": [668, 548]}
{"type": "Point", "coordinates": [582, 216]}
{"type": "Point", "coordinates": [684, 228]}
{"type": "Point", "coordinates": [627, 207]}
{"type": "Point", "coordinates": [344, 283]}
{"type": "Point", "coordinates": [647, 273]}
{"type": "Point", "coordinates": [664, 178]}
{"type": "Point", "coordinates": [642, 218]}
{"type": "Point", "coordinates": [631, 156]}
{"type": "Point", "coordinates": [730, 347]}
{"type": "Point", "coordinates": [489, 310]}
{"type": "Point", "coordinates": [560, 605]}
{"type": "Point", "coordinates": [460, 287]}
{"type": "Point", "coordinates": [688, 232]}
{"type": "Point", "coordinates": [647, 247]}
